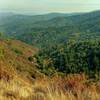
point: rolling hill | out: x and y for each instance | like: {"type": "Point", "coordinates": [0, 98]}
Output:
{"type": "Point", "coordinates": [13, 23]}
{"type": "Point", "coordinates": [55, 28]}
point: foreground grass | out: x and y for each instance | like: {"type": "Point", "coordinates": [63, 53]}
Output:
{"type": "Point", "coordinates": [72, 87]}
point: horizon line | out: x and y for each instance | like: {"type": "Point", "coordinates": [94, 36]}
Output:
{"type": "Point", "coordinates": [44, 13]}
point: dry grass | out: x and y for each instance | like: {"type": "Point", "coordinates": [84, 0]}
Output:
{"type": "Point", "coordinates": [12, 86]}
{"type": "Point", "coordinates": [72, 87]}
{"type": "Point", "coordinates": [14, 90]}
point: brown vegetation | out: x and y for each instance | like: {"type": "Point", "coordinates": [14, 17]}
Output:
{"type": "Point", "coordinates": [71, 87]}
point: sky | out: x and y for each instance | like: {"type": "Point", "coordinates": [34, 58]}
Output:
{"type": "Point", "coordinates": [48, 6]}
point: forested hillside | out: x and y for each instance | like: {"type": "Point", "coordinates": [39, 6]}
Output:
{"type": "Point", "coordinates": [55, 28]}
{"type": "Point", "coordinates": [72, 57]}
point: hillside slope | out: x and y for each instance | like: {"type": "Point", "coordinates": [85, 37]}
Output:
{"type": "Point", "coordinates": [16, 54]}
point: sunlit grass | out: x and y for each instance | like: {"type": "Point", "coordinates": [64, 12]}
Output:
{"type": "Point", "coordinates": [71, 87]}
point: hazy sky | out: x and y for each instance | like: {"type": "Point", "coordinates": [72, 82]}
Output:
{"type": "Point", "coordinates": [42, 6]}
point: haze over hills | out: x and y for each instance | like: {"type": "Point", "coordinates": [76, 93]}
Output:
{"type": "Point", "coordinates": [52, 28]}
{"type": "Point", "coordinates": [11, 23]}
{"type": "Point", "coordinates": [34, 18]}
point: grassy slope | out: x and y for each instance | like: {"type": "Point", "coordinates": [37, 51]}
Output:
{"type": "Point", "coordinates": [14, 87]}
{"type": "Point", "coordinates": [15, 54]}
{"type": "Point", "coordinates": [16, 72]}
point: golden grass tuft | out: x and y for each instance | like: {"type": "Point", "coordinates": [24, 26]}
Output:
{"type": "Point", "coordinates": [16, 73]}
{"type": "Point", "coordinates": [71, 87]}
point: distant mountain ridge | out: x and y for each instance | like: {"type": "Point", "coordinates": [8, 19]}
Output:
{"type": "Point", "coordinates": [54, 28]}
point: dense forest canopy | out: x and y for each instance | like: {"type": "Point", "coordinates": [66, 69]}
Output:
{"type": "Point", "coordinates": [72, 57]}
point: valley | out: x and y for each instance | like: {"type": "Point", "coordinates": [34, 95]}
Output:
{"type": "Point", "coordinates": [53, 56]}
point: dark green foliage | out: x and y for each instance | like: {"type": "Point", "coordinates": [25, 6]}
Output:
{"type": "Point", "coordinates": [73, 57]}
